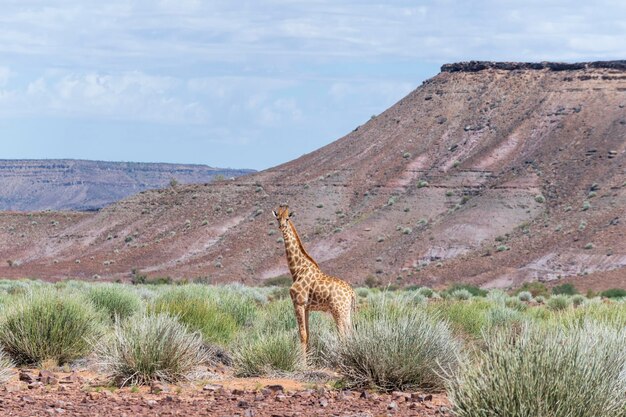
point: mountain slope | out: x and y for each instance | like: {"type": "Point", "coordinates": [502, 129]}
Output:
{"type": "Point", "coordinates": [492, 173]}
{"type": "Point", "coordinates": [67, 184]}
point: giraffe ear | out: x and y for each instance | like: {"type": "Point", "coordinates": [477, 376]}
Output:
{"type": "Point", "coordinates": [291, 213]}
{"type": "Point", "coordinates": [274, 213]}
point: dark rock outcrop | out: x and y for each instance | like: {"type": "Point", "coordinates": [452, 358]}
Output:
{"type": "Point", "coordinates": [475, 66]}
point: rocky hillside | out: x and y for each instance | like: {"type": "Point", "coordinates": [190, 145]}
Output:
{"type": "Point", "coordinates": [491, 173]}
{"type": "Point", "coordinates": [66, 184]}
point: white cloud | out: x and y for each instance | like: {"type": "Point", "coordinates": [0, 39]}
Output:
{"type": "Point", "coordinates": [128, 96]}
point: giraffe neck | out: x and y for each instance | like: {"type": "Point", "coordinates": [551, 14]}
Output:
{"type": "Point", "coordinates": [298, 259]}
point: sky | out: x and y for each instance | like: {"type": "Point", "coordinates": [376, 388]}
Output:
{"type": "Point", "coordinates": [252, 84]}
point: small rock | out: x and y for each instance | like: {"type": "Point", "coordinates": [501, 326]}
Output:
{"type": "Point", "coordinates": [35, 385]}
{"type": "Point", "coordinates": [366, 395]}
{"type": "Point", "coordinates": [27, 399]}
{"type": "Point", "coordinates": [26, 377]}
{"type": "Point", "coordinates": [259, 397]}
{"type": "Point", "coordinates": [243, 404]}
{"type": "Point", "coordinates": [157, 387]}
{"type": "Point", "coordinates": [281, 398]}
{"type": "Point", "coordinates": [212, 388]}
{"type": "Point", "coordinates": [48, 378]}
{"type": "Point", "coordinates": [303, 394]}
{"type": "Point", "coordinates": [13, 387]}
{"type": "Point", "coordinates": [275, 388]}
{"type": "Point", "coordinates": [249, 413]}
{"type": "Point", "coordinates": [238, 392]}
{"type": "Point", "coordinates": [151, 403]}
{"type": "Point", "coordinates": [392, 405]}
{"type": "Point", "coordinates": [323, 402]}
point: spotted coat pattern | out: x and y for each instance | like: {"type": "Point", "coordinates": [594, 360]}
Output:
{"type": "Point", "coordinates": [312, 289]}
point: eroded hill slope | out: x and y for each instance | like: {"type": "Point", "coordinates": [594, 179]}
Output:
{"type": "Point", "coordinates": [488, 173]}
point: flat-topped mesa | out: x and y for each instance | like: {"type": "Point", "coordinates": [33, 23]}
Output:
{"type": "Point", "coordinates": [475, 66]}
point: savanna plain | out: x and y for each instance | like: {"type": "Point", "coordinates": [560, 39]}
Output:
{"type": "Point", "coordinates": [81, 348]}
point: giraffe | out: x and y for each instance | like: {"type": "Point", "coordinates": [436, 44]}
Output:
{"type": "Point", "coordinates": [313, 290]}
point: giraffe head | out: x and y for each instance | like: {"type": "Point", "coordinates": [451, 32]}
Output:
{"type": "Point", "coordinates": [282, 215]}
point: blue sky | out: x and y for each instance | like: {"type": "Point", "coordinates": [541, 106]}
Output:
{"type": "Point", "coordinates": [251, 84]}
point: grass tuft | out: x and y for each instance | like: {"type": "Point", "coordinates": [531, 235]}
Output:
{"type": "Point", "coordinates": [151, 347]}
{"type": "Point", "coordinates": [539, 371]}
{"type": "Point", "coordinates": [45, 325]}
{"type": "Point", "coordinates": [115, 300]}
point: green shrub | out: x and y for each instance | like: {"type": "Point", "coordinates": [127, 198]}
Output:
{"type": "Point", "coordinates": [541, 371]}
{"type": "Point", "coordinates": [47, 325]}
{"type": "Point", "coordinates": [474, 290]}
{"type": "Point", "coordinates": [559, 302]}
{"type": "Point", "coordinates": [268, 353]}
{"type": "Point", "coordinates": [396, 348]}
{"type": "Point", "coordinates": [461, 294]}
{"type": "Point", "coordinates": [195, 310]}
{"type": "Point", "coordinates": [279, 281]}
{"type": "Point", "coordinates": [515, 304]}
{"type": "Point", "coordinates": [578, 300]}
{"type": "Point", "coordinates": [540, 199]}
{"type": "Point", "coordinates": [115, 300]}
{"type": "Point", "coordinates": [535, 288]}
{"type": "Point", "coordinates": [426, 292]}
{"type": "Point", "coordinates": [467, 317]}
{"type": "Point", "coordinates": [566, 289]}
{"type": "Point", "coordinates": [504, 317]}
{"type": "Point", "coordinates": [239, 301]}
{"type": "Point", "coordinates": [524, 296]}
{"type": "Point", "coordinates": [540, 299]}
{"type": "Point", "coordinates": [150, 347]}
{"type": "Point", "coordinates": [614, 293]}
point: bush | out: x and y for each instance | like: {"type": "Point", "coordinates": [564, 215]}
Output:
{"type": "Point", "coordinates": [566, 289]}
{"type": "Point", "coordinates": [515, 304]}
{"type": "Point", "coordinates": [503, 317]}
{"type": "Point", "coordinates": [426, 292]}
{"type": "Point", "coordinates": [6, 367]}
{"type": "Point", "coordinates": [279, 281]}
{"type": "Point", "coordinates": [149, 348]}
{"type": "Point", "coordinates": [114, 300]}
{"type": "Point", "coordinates": [46, 325]}
{"type": "Point", "coordinates": [540, 299]}
{"type": "Point", "coordinates": [198, 312]}
{"type": "Point", "coordinates": [525, 296]}
{"type": "Point", "coordinates": [268, 353]}
{"type": "Point", "coordinates": [466, 317]}
{"type": "Point", "coordinates": [474, 290]}
{"type": "Point", "coordinates": [614, 293]}
{"type": "Point", "coordinates": [535, 289]}
{"type": "Point", "coordinates": [461, 294]}
{"type": "Point", "coordinates": [578, 300]}
{"type": "Point", "coordinates": [542, 371]}
{"type": "Point", "coordinates": [396, 348]}
{"type": "Point", "coordinates": [559, 302]}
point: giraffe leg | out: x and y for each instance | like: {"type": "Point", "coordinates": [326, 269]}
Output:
{"type": "Point", "coordinates": [341, 324]}
{"type": "Point", "coordinates": [302, 318]}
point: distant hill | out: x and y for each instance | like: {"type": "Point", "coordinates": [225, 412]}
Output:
{"type": "Point", "coordinates": [488, 173]}
{"type": "Point", "coordinates": [67, 184]}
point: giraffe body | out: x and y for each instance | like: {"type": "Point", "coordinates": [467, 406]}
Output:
{"type": "Point", "coordinates": [312, 289]}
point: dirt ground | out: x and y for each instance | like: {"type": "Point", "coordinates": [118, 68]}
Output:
{"type": "Point", "coordinates": [39, 393]}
